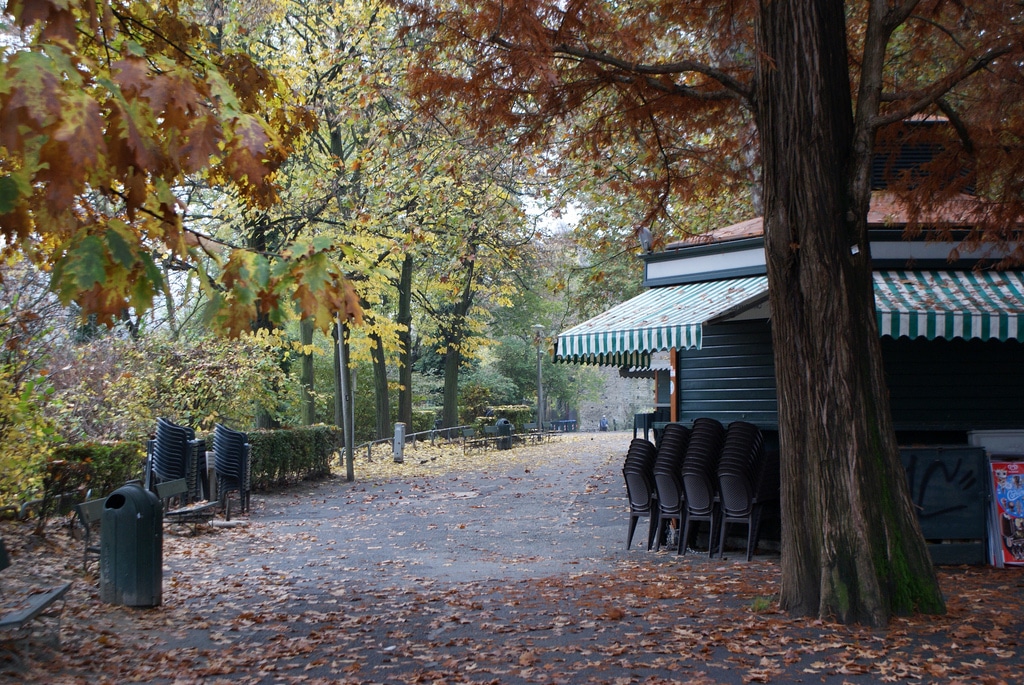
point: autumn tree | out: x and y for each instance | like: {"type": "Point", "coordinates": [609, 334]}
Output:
{"type": "Point", "coordinates": [476, 246]}
{"type": "Point", "coordinates": [803, 90]}
{"type": "Point", "coordinates": [107, 108]}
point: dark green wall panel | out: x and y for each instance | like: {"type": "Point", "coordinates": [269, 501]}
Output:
{"type": "Point", "coordinates": [934, 385]}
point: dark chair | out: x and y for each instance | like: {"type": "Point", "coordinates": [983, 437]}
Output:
{"type": "Point", "coordinates": [699, 481]}
{"type": "Point", "coordinates": [231, 453]}
{"type": "Point", "coordinates": [640, 489]}
{"type": "Point", "coordinates": [746, 492]}
{"type": "Point", "coordinates": [668, 480]}
{"type": "Point", "coordinates": [89, 514]}
{"type": "Point", "coordinates": [643, 422]}
{"type": "Point", "coordinates": [174, 454]}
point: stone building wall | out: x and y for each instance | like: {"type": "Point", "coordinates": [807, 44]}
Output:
{"type": "Point", "coordinates": [619, 399]}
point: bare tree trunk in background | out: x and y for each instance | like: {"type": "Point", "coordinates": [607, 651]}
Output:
{"type": "Point", "coordinates": [306, 375]}
{"type": "Point", "coordinates": [380, 387]}
{"type": "Point", "coordinates": [405, 342]}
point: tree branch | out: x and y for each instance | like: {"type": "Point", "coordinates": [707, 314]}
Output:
{"type": "Point", "coordinates": [732, 88]}
{"type": "Point", "coordinates": [899, 14]}
{"type": "Point", "coordinates": [921, 100]}
{"type": "Point", "coordinates": [730, 84]}
{"type": "Point", "coordinates": [958, 124]}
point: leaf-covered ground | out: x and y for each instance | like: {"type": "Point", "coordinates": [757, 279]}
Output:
{"type": "Point", "coordinates": [482, 567]}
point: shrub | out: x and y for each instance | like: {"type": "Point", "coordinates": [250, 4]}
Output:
{"type": "Point", "coordinates": [77, 472]}
{"type": "Point", "coordinates": [110, 465]}
{"type": "Point", "coordinates": [518, 414]}
{"type": "Point", "coordinates": [25, 436]}
{"type": "Point", "coordinates": [292, 454]}
{"type": "Point", "coordinates": [116, 389]}
{"type": "Point", "coordinates": [423, 420]}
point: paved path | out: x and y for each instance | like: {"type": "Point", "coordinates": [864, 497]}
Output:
{"type": "Point", "coordinates": [513, 573]}
{"type": "Point", "coordinates": [525, 518]}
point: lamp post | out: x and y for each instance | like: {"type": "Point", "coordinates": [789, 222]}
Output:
{"type": "Point", "coordinates": [538, 339]}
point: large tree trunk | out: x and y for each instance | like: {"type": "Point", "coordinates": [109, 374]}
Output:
{"type": "Point", "coordinates": [452, 362]}
{"type": "Point", "coordinates": [453, 328]}
{"type": "Point", "coordinates": [405, 342]}
{"type": "Point", "coordinates": [851, 545]}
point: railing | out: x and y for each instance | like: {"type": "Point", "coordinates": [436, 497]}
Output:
{"type": "Point", "coordinates": [449, 434]}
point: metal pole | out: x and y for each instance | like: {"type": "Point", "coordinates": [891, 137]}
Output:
{"type": "Point", "coordinates": [538, 330]}
{"type": "Point", "coordinates": [347, 409]}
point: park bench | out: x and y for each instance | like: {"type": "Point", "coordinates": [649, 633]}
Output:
{"type": "Point", "coordinates": [470, 440]}
{"type": "Point", "coordinates": [89, 514]}
{"type": "Point", "coordinates": [184, 513]}
{"type": "Point", "coordinates": [18, 610]}
{"type": "Point", "coordinates": [534, 433]}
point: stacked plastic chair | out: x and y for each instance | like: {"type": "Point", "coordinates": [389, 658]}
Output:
{"type": "Point", "coordinates": [638, 471]}
{"type": "Point", "coordinates": [748, 480]}
{"type": "Point", "coordinates": [231, 452]}
{"type": "Point", "coordinates": [174, 454]}
{"type": "Point", "coordinates": [738, 471]}
{"type": "Point", "coordinates": [700, 479]}
{"type": "Point", "coordinates": [668, 479]}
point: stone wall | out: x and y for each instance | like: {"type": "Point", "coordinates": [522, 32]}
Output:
{"type": "Point", "coordinates": [619, 399]}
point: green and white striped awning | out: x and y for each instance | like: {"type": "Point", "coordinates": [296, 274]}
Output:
{"type": "Point", "coordinates": [931, 304]}
{"type": "Point", "coordinates": [658, 319]}
{"type": "Point", "coordinates": [950, 304]}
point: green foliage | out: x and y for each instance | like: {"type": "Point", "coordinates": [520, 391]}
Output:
{"type": "Point", "coordinates": [115, 389]}
{"type": "Point", "coordinates": [518, 414]}
{"type": "Point", "coordinates": [109, 465]}
{"type": "Point", "coordinates": [76, 472]}
{"type": "Point", "coordinates": [423, 420]}
{"type": "Point", "coordinates": [287, 455]}
{"type": "Point", "coordinates": [25, 435]}
{"type": "Point", "coordinates": [59, 478]}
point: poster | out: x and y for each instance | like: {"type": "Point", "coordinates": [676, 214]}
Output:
{"type": "Point", "coordinates": [1008, 511]}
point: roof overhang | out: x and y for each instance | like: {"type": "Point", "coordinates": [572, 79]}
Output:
{"type": "Point", "coordinates": [988, 305]}
{"type": "Point", "coordinates": [658, 319]}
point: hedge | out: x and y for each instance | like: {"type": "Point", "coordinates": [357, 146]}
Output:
{"type": "Point", "coordinates": [518, 414]}
{"type": "Point", "coordinates": [292, 454]}
{"type": "Point", "coordinates": [108, 465]}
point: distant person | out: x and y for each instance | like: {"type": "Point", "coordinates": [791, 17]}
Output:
{"type": "Point", "coordinates": [604, 423]}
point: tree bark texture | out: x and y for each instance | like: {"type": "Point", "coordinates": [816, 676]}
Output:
{"type": "Point", "coordinates": [346, 394]}
{"type": "Point", "coordinates": [380, 387]}
{"type": "Point", "coordinates": [405, 342]}
{"type": "Point", "coordinates": [306, 375]}
{"type": "Point", "coordinates": [452, 362]}
{"type": "Point", "coordinates": [851, 547]}
{"type": "Point", "coordinates": [453, 328]}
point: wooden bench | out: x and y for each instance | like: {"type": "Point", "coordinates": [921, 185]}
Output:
{"type": "Point", "coordinates": [89, 514]}
{"type": "Point", "coordinates": [188, 514]}
{"type": "Point", "coordinates": [18, 611]}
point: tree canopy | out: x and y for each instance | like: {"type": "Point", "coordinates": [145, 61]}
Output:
{"type": "Point", "coordinates": [107, 109]}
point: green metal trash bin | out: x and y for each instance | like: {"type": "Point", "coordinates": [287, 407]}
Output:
{"type": "Point", "coordinates": [504, 434]}
{"type": "Point", "coordinates": [131, 548]}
